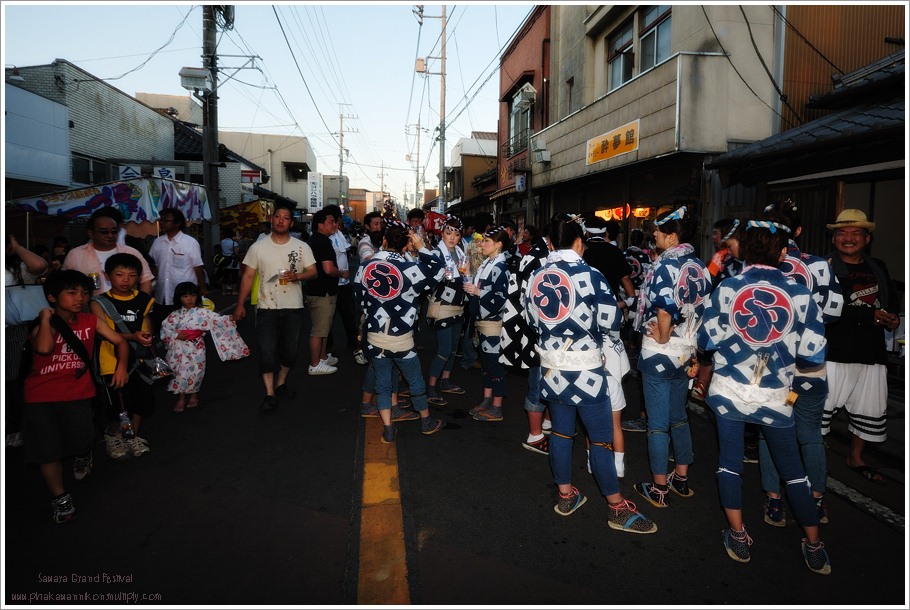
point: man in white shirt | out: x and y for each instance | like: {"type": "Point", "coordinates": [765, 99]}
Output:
{"type": "Point", "coordinates": [178, 258]}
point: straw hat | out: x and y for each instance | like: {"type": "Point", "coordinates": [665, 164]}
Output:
{"type": "Point", "coordinates": [852, 218]}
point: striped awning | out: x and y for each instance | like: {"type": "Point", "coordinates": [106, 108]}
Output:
{"type": "Point", "coordinates": [507, 190]}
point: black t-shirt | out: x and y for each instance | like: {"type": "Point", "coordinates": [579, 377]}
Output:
{"type": "Point", "coordinates": [323, 250]}
{"type": "Point", "coordinates": [609, 260]}
{"type": "Point", "coordinates": [855, 337]}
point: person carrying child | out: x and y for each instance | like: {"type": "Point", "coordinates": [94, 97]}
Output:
{"type": "Point", "coordinates": [59, 387]}
{"type": "Point", "coordinates": [182, 333]}
{"type": "Point", "coordinates": [125, 309]}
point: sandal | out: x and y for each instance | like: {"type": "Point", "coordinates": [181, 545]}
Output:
{"type": "Point", "coordinates": [869, 473]}
{"type": "Point", "coordinates": [179, 407]}
{"type": "Point", "coordinates": [192, 403]}
{"type": "Point", "coordinates": [699, 391]}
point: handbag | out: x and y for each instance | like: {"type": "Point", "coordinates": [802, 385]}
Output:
{"type": "Point", "coordinates": [23, 303]}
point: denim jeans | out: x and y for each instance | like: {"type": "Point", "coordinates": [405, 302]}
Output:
{"type": "Point", "coordinates": [784, 450]}
{"type": "Point", "coordinates": [665, 402]}
{"type": "Point", "coordinates": [807, 414]}
{"type": "Point", "coordinates": [468, 351]}
{"type": "Point", "coordinates": [410, 368]}
{"type": "Point", "coordinates": [598, 421]}
{"type": "Point", "coordinates": [493, 373]}
{"type": "Point", "coordinates": [369, 379]}
{"type": "Point", "coordinates": [446, 342]}
{"type": "Point", "coordinates": [278, 332]}
{"type": "Point", "coordinates": [532, 400]}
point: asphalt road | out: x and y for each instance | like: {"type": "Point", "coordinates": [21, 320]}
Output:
{"type": "Point", "coordinates": [236, 507]}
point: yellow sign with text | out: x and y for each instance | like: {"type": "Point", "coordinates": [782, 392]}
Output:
{"type": "Point", "coordinates": [620, 141]}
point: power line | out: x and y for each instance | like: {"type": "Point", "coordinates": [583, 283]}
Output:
{"type": "Point", "coordinates": [761, 59]}
{"type": "Point", "coordinates": [806, 40]}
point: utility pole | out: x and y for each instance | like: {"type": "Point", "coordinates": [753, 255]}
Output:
{"type": "Point", "coordinates": [442, 118]}
{"type": "Point", "coordinates": [382, 180]}
{"type": "Point", "coordinates": [341, 151]}
{"type": "Point", "coordinates": [210, 158]}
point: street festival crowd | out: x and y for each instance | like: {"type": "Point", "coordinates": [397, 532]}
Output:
{"type": "Point", "coordinates": [774, 340]}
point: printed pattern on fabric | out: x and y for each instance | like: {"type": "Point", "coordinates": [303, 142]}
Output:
{"type": "Point", "coordinates": [763, 326]}
{"type": "Point", "coordinates": [518, 336]}
{"type": "Point", "coordinates": [187, 358]}
{"type": "Point", "coordinates": [268, 258]}
{"type": "Point", "coordinates": [388, 287]}
{"type": "Point", "coordinates": [450, 290]}
{"type": "Point", "coordinates": [493, 280]}
{"type": "Point", "coordinates": [639, 263]}
{"type": "Point", "coordinates": [570, 300]}
{"type": "Point", "coordinates": [53, 376]}
{"type": "Point", "coordinates": [679, 283]}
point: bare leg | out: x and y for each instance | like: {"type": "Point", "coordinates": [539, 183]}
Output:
{"type": "Point", "coordinates": [52, 474]}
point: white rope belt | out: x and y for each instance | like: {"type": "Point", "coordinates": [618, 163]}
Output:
{"type": "Point", "coordinates": [749, 398]}
{"type": "Point", "coordinates": [675, 347]}
{"type": "Point", "coordinates": [489, 328]}
{"type": "Point", "coordinates": [400, 343]}
{"type": "Point", "coordinates": [565, 360]}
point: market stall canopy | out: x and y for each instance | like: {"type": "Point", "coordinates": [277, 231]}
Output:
{"type": "Point", "coordinates": [245, 216]}
{"type": "Point", "coordinates": [139, 200]}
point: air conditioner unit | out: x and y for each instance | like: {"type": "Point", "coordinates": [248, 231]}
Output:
{"type": "Point", "coordinates": [541, 156]}
{"type": "Point", "coordinates": [538, 144]}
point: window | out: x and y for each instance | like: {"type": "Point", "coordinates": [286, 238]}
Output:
{"type": "Point", "coordinates": [295, 172]}
{"type": "Point", "coordinates": [90, 171]}
{"type": "Point", "coordinates": [620, 57]}
{"type": "Point", "coordinates": [655, 37]}
{"type": "Point", "coordinates": [518, 127]}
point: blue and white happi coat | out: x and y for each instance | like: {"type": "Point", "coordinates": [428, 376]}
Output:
{"type": "Point", "coordinates": [518, 338]}
{"type": "Point", "coordinates": [574, 311]}
{"type": "Point", "coordinates": [763, 326]}
{"type": "Point", "coordinates": [388, 287]}
{"type": "Point", "coordinates": [639, 261]}
{"type": "Point", "coordinates": [450, 290]}
{"type": "Point", "coordinates": [679, 283]}
{"type": "Point", "coordinates": [816, 274]}
{"type": "Point", "coordinates": [493, 280]}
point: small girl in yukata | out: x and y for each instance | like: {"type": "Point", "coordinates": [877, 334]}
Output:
{"type": "Point", "coordinates": [182, 333]}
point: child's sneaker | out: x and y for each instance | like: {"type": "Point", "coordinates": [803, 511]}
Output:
{"type": "Point", "coordinates": [816, 557]}
{"type": "Point", "coordinates": [539, 446]}
{"type": "Point", "coordinates": [737, 544]}
{"type": "Point", "coordinates": [626, 518]}
{"type": "Point", "coordinates": [64, 511]}
{"type": "Point", "coordinates": [569, 503]}
{"type": "Point", "coordinates": [82, 466]}
{"type": "Point", "coordinates": [652, 494]}
{"type": "Point", "coordinates": [388, 434]}
{"type": "Point", "coordinates": [138, 446]}
{"type": "Point", "coordinates": [774, 512]}
{"type": "Point", "coordinates": [115, 447]}
{"type": "Point", "coordinates": [679, 484]}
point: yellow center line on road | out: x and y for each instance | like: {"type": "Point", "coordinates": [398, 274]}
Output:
{"type": "Point", "coordinates": [383, 573]}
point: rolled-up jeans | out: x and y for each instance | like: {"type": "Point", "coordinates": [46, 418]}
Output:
{"type": "Point", "coordinates": [807, 416]}
{"type": "Point", "coordinates": [446, 342]}
{"type": "Point", "coordinates": [410, 368]}
{"type": "Point", "coordinates": [369, 379]}
{"type": "Point", "coordinates": [665, 402]}
{"type": "Point", "coordinates": [598, 422]}
{"type": "Point", "coordinates": [278, 333]}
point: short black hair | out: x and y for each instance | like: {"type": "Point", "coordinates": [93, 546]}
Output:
{"type": "Point", "coordinates": [371, 216]}
{"type": "Point", "coordinates": [185, 288]}
{"type": "Point", "coordinates": [613, 229]}
{"type": "Point", "coordinates": [564, 230]}
{"type": "Point", "coordinates": [396, 237]}
{"type": "Point", "coordinates": [176, 215]}
{"type": "Point", "coordinates": [334, 210]}
{"type": "Point", "coordinates": [762, 247]}
{"type": "Point", "coordinates": [123, 259]}
{"type": "Point", "coordinates": [65, 279]}
{"type": "Point", "coordinates": [319, 217]}
{"type": "Point", "coordinates": [416, 213]}
{"type": "Point", "coordinates": [107, 212]}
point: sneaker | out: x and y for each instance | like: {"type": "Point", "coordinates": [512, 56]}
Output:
{"type": "Point", "coordinates": [399, 414]}
{"type": "Point", "coordinates": [330, 360]}
{"type": "Point", "coordinates": [491, 414]}
{"type": "Point", "coordinates": [14, 439]}
{"type": "Point", "coordinates": [570, 503]}
{"type": "Point", "coordinates": [323, 368]}
{"type": "Point", "coordinates": [434, 398]}
{"type": "Point", "coordinates": [82, 466]}
{"type": "Point", "coordinates": [737, 544]}
{"type": "Point", "coordinates": [542, 446]}
{"type": "Point", "coordinates": [816, 557]}
{"type": "Point", "coordinates": [138, 446]}
{"type": "Point", "coordinates": [388, 434]}
{"type": "Point", "coordinates": [774, 512]}
{"type": "Point", "coordinates": [822, 509]}
{"type": "Point", "coordinates": [547, 426]}
{"type": "Point", "coordinates": [448, 387]}
{"type": "Point", "coordinates": [359, 358]}
{"type": "Point", "coordinates": [368, 409]}
{"type": "Point", "coordinates": [679, 484]}
{"type": "Point", "coordinates": [268, 403]}
{"type": "Point", "coordinates": [653, 495]}
{"type": "Point", "coordinates": [626, 518]}
{"type": "Point", "coordinates": [750, 455]}
{"type": "Point", "coordinates": [283, 391]}
{"type": "Point", "coordinates": [115, 447]}
{"type": "Point", "coordinates": [64, 510]}
{"type": "Point", "coordinates": [431, 425]}
{"type": "Point", "coordinates": [639, 424]}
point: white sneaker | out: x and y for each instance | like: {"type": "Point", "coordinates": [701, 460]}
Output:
{"type": "Point", "coordinates": [138, 446]}
{"type": "Point", "coordinates": [359, 358]}
{"type": "Point", "coordinates": [323, 368]}
{"type": "Point", "coordinates": [330, 360]}
{"type": "Point", "coordinates": [116, 449]}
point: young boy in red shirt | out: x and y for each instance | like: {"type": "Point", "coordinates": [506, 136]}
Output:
{"type": "Point", "coordinates": [59, 387]}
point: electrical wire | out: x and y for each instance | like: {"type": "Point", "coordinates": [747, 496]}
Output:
{"type": "Point", "coordinates": [761, 59]}
{"type": "Point", "coordinates": [806, 40]}
{"type": "Point", "coordinates": [732, 65]}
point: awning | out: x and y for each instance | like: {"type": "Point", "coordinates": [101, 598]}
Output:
{"type": "Point", "coordinates": [508, 190]}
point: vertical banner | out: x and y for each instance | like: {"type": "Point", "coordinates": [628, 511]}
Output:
{"type": "Point", "coordinates": [314, 191]}
{"type": "Point", "coordinates": [130, 172]}
{"type": "Point", "coordinates": [168, 173]}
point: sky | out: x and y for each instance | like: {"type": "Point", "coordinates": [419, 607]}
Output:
{"type": "Point", "coordinates": [315, 63]}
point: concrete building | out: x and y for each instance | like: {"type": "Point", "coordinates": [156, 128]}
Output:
{"type": "Point", "coordinates": [471, 178]}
